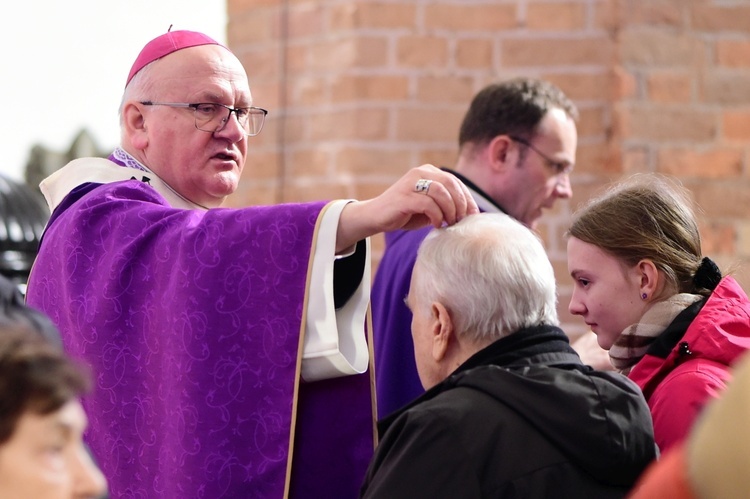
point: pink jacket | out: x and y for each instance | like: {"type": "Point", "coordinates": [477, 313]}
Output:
{"type": "Point", "coordinates": [697, 368]}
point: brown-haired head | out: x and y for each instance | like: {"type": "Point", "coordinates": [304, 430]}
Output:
{"type": "Point", "coordinates": [35, 376]}
{"type": "Point", "coordinates": [647, 216]}
{"type": "Point", "coordinates": [513, 107]}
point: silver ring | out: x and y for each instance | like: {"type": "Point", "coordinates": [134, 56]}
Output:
{"type": "Point", "coordinates": [423, 185]}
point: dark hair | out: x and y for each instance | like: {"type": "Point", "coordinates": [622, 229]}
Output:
{"type": "Point", "coordinates": [514, 107]}
{"type": "Point", "coordinates": [35, 376]}
{"type": "Point", "coordinates": [647, 217]}
{"type": "Point", "coordinates": [14, 312]}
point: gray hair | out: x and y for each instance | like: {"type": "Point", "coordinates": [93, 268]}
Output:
{"type": "Point", "coordinates": [491, 273]}
{"type": "Point", "coordinates": [139, 88]}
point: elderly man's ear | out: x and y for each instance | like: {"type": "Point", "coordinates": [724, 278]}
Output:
{"type": "Point", "coordinates": [442, 331]}
{"type": "Point", "coordinates": [134, 124]}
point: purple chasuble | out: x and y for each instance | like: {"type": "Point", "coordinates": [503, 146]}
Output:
{"type": "Point", "coordinates": [190, 321]}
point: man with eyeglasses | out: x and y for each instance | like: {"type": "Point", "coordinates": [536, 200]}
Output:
{"type": "Point", "coordinates": [228, 345]}
{"type": "Point", "coordinates": [517, 148]}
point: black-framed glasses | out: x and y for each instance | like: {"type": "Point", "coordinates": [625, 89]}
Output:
{"type": "Point", "coordinates": [560, 167]}
{"type": "Point", "coordinates": [211, 117]}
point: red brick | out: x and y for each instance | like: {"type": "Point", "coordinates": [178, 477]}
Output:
{"type": "Point", "coordinates": [257, 26]}
{"type": "Point", "coordinates": [624, 84]}
{"type": "Point", "coordinates": [257, 194]}
{"type": "Point", "coordinates": [365, 88]}
{"type": "Point", "coordinates": [266, 140]}
{"type": "Point", "coordinates": [721, 199]}
{"type": "Point", "coordinates": [372, 15]}
{"type": "Point", "coordinates": [265, 94]}
{"type": "Point", "coordinates": [596, 158]}
{"type": "Point", "coordinates": [300, 192]}
{"type": "Point", "coordinates": [743, 240]}
{"type": "Point", "coordinates": [661, 13]}
{"type": "Point", "coordinates": [474, 53]}
{"type": "Point", "coordinates": [726, 87]}
{"type": "Point", "coordinates": [718, 238]}
{"type": "Point", "coordinates": [733, 53]}
{"type": "Point", "coordinates": [636, 160]}
{"type": "Point", "coordinates": [710, 164]}
{"type": "Point", "coordinates": [667, 123]}
{"type": "Point", "coordinates": [591, 121]}
{"type": "Point", "coordinates": [338, 54]}
{"type": "Point", "coordinates": [736, 125]}
{"type": "Point", "coordinates": [295, 127]}
{"type": "Point", "coordinates": [305, 20]}
{"type": "Point", "coordinates": [428, 124]}
{"type": "Point", "coordinates": [358, 124]}
{"type": "Point", "coordinates": [368, 190]}
{"type": "Point", "coordinates": [556, 52]}
{"type": "Point", "coordinates": [583, 86]}
{"type": "Point", "coordinates": [445, 89]}
{"type": "Point", "coordinates": [568, 16]}
{"type": "Point", "coordinates": [712, 18]}
{"type": "Point", "coordinates": [260, 165]}
{"type": "Point", "coordinates": [374, 160]}
{"type": "Point", "coordinates": [261, 64]}
{"type": "Point", "coordinates": [439, 157]}
{"type": "Point", "coordinates": [296, 57]}
{"type": "Point", "coordinates": [305, 91]}
{"type": "Point", "coordinates": [422, 51]}
{"type": "Point", "coordinates": [659, 48]}
{"type": "Point", "coordinates": [670, 86]}
{"type": "Point", "coordinates": [584, 191]}
{"type": "Point", "coordinates": [662, 85]}
{"type": "Point", "coordinates": [473, 18]}
{"type": "Point", "coordinates": [241, 7]}
{"type": "Point", "coordinates": [309, 162]}
{"type": "Point", "coordinates": [606, 15]}
{"type": "Point", "coordinates": [377, 246]}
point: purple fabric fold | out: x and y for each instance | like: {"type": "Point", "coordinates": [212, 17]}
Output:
{"type": "Point", "coordinates": [190, 321]}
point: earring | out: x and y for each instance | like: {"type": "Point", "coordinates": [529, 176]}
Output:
{"type": "Point", "coordinates": [644, 296]}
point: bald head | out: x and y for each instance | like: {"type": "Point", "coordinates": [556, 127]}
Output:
{"type": "Point", "coordinates": [159, 125]}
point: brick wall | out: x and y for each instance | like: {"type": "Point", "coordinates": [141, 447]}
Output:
{"type": "Point", "coordinates": [359, 91]}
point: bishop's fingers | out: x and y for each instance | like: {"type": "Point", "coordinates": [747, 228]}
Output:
{"type": "Point", "coordinates": [462, 198]}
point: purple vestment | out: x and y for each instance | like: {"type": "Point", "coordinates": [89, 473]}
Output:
{"type": "Point", "coordinates": [191, 323]}
{"type": "Point", "coordinates": [398, 382]}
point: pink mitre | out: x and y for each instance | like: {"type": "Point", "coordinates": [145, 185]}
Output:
{"type": "Point", "coordinates": [165, 44]}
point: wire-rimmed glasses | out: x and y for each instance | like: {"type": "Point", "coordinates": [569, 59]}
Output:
{"type": "Point", "coordinates": [212, 117]}
{"type": "Point", "coordinates": [560, 167]}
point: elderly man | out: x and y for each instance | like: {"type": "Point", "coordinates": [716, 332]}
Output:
{"type": "Point", "coordinates": [510, 410]}
{"type": "Point", "coordinates": [200, 323]}
{"type": "Point", "coordinates": [517, 147]}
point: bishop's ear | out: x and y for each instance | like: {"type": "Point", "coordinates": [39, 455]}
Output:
{"type": "Point", "coordinates": [134, 124]}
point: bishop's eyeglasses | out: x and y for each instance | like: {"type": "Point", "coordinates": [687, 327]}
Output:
{"type": "Point", "coordinates": [212, 117]}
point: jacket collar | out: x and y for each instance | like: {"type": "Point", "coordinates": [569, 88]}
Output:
{"type": "Point", "coordinates": [545, 345]}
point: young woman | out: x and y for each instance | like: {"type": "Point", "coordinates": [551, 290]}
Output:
{"type": "Point", "coordinates": [662, 310]}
